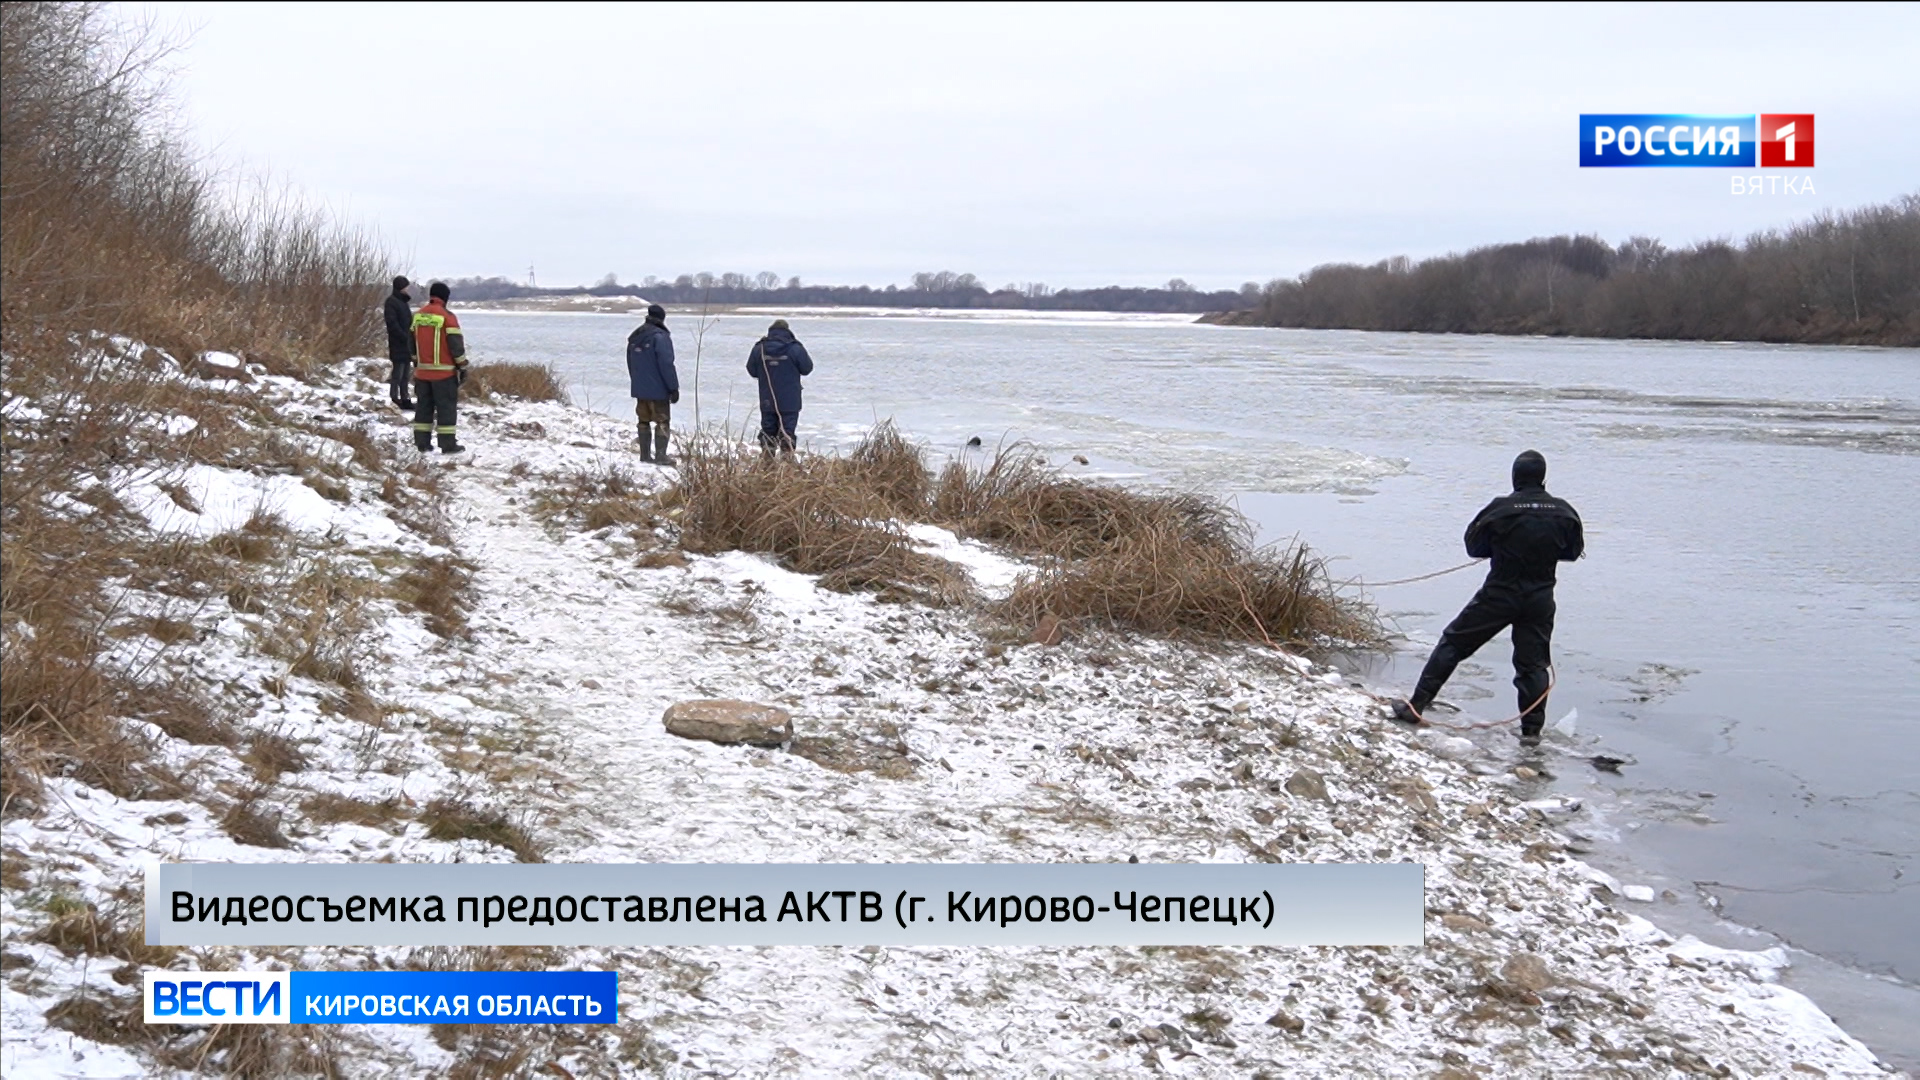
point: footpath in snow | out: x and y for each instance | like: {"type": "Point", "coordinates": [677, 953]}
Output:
{"type": "Point", "coordinates": [921, 735]}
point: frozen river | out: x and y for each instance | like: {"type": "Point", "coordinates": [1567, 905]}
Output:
{"type": "Point", "coordinates": [1745, 629]}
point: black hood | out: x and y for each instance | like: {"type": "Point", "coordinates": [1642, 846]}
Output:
{"type": "Point", "coordinates": [1529, 470]}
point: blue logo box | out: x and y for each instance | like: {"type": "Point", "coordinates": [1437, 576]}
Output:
{"type": "Point", "coordinates": [1666, 141]}
{"type": "Point", "coordinates": [455, 997]}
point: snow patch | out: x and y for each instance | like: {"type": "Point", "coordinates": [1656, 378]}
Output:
{"type": "Point", "coordinates": [991, 572]}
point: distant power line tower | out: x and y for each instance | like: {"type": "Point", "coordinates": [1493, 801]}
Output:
{"type": "Point", "coordinates": [530, 276]}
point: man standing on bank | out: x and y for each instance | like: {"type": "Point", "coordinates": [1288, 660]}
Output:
{"type": "Point", "coordinates": [654, 382]}
{"type": "Point", "coordinates": [1525, 534]}
{"type": "Point", "coordinates": [399, 314]}
{"type": "Point", "coordinates": [778, 361]}
{"type": "Point", "coordinates": [440, 351]}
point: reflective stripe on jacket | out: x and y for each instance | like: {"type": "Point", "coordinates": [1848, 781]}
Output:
{"type": "Point", "coordinates": [439, 347]}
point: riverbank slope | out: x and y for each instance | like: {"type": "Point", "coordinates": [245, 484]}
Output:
{"type": "Point", "coordinates": [511, 710]}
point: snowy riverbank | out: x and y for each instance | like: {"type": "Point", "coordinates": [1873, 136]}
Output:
{"type": "Point", "coordinates": [923, 735]}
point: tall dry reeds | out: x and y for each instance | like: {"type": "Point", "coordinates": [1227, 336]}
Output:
{"type": "Point", "coordinates": [819, 515]}
{"type": "Point", "coordinates": [526, 381]}
{"type": "Point", "coordinates": [1016, 499]}
{"type": "Point", "coordinates": [1179, 564]}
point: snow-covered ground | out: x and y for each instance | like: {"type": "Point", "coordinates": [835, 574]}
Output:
{"type": "Point", "coordinates": [922, 735]}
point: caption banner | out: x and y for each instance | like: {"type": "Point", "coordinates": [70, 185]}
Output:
{"type": "Point", "coordinates": [192, 904]}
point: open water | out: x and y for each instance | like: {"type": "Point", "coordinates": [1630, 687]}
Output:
{"type": "Point", "coordinates": [1745, 629]}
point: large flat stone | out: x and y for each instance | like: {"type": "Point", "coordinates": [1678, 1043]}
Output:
{"type": "Point", "coordinates": [729, 722]}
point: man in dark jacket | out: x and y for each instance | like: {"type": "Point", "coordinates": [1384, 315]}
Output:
{"type": "Point", "coordinates": [777, 362]}
{"type": "Point", "coordinates": [399, 314]}
{"type": "Point", "coordinates": [1525, 534]}
{"type": "Point", "coordinates": [654, 382]}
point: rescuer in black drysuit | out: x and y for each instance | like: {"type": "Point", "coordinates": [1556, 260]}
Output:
{"type": "Point", "coordinates": [1525, 534]}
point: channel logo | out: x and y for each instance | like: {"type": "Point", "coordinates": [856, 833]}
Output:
{"type": "Point", "coordinates": [226, 997]}
{"type": "Point", "coordinates": [1687, 141]}
{"type": "Point", "coordinates": [382, 997]}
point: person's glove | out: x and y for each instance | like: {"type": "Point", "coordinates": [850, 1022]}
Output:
{"type": "Point", "coordinates": [673, 398]}
{"type": "Point", "coordinates": [460, 375]}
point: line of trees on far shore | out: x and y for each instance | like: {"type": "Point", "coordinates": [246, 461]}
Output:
{"type": "Point", "coordinates": [1845, 278]}
{"type": "Point", "coordinates": [933, 289]}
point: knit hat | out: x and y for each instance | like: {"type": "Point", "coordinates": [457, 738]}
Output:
{"type": "Point", "coordinates": [400, 282]}
{"type": "Point", "coordinates": [778, 324]}
{"type": "Point", "coordinates": [655, 311]}
{"type": "Point", "coordinates": [439, 291]}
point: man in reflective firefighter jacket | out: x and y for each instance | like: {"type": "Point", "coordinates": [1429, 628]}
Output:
{"type": "Point", "coordinates": [440, 366]}
{"type": "Point", "coordinates": [1525, 534]}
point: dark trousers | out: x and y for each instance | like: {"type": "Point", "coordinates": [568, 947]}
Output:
{"type": "Point", "coordinates": [398, 378]}
{"type": "Point", "coordinates": [436, 401]}
{"type": "Point", "coordinates": [776, 430]}
{"type": "Point", "coordinates": [1529, 610]}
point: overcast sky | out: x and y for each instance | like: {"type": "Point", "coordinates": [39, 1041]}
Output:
{"type": "Point", "coordinates": [1076, 145]}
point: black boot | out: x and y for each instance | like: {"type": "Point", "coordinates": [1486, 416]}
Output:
{"type": "Point", "coordinates": [646, 442]}
{"type": "Point", "coordinates": [1531, 725]}
{"type": "Point", "coordinates": [660, 446]}
{"type": "Point", "coordinates": [450, 445]}
{"type": "Point", "coordinates": [1405, 712]}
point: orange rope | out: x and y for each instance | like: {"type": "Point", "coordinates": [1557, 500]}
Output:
{"type": "Point", "coordinates": [1411, 580]}
{"type": "Point", "coordinates": [1553, 677]}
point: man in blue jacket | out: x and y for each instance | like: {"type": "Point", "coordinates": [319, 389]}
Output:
{"type": "Point", "coordinates": [1525, 534]}
{"type": "Point", "coordinates": [655, 383]}
{"type": "Point", "coordinates": [777, 362]}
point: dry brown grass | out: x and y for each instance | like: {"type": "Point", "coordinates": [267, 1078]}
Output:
{"type": "Point", "coordinates": [1161, 563]}
{"type": "Point", "coordinates": [527, 381]}
{"type": "Point", "coordinates": [115, 931]}
{"type": "Point", "coordinates": [1019, 501]}
{"type": "Point", "coordinates": [597, 496]}
{"type": "Point", "coordinates": [60, 706]}
{"type": "Point", "coordinates": [454, 819]}
{"type": "Point", "coordinates": [328, 808]}
{"type": "Point", "coordinates": [270, 753]}
{"type": "Point", "coordinates": [817, 515]}
{"type": "Point", "coordinates": [323, 616]}
{"type": "Point", "coordinates": [441, 589]}
{"type": "Point", "coordinates": [239, 1050]}
{"type": "Point", "coordinates": [1162, 582]}
{"type": "Point", "coordinates": [251, 821]}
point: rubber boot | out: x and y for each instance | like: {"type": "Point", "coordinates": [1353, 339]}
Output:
{"type": "Point", "coordinates": [1405, 712]}
{"type": "Point", "coordinates": [1531, 725]}
{"type": "Point", "coordinates": [646, 441]}
{"type": "Point", "coordinates": [450, 445]}
{"type": "Point", "coordinates": [660, 436]}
